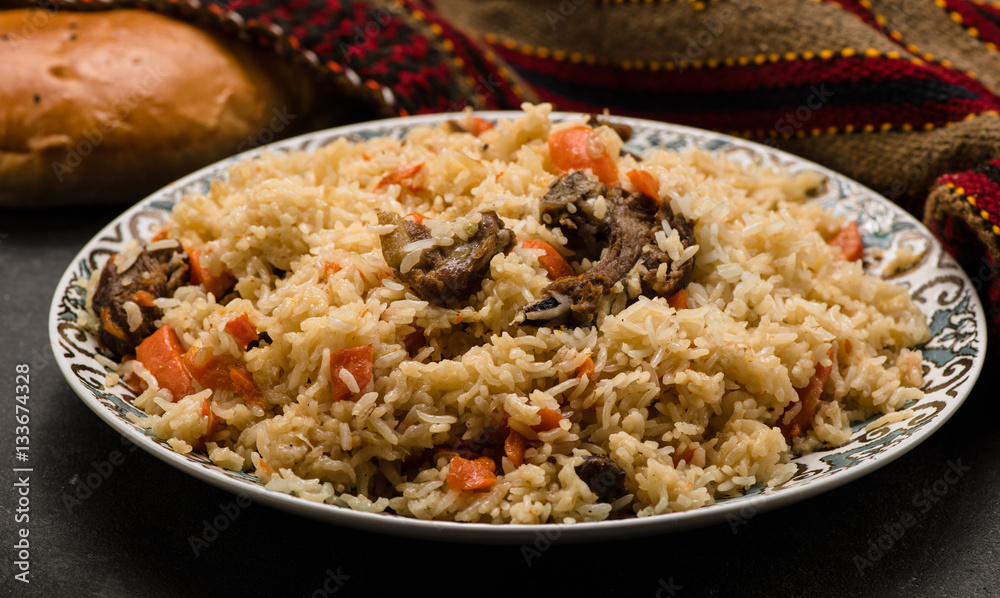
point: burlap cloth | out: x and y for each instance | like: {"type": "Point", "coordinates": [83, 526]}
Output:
{"type": "Point", "coordinates": [897, 94]}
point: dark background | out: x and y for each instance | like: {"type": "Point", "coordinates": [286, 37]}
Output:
{"type": "Point", "coordinates": [130, 535]}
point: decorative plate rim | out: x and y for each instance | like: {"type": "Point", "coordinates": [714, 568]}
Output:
{"type": "Point", "coordinates": [739, 508]}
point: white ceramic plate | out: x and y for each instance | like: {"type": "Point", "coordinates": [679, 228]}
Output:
{"type": "Point", "coordinates": [952, 359]}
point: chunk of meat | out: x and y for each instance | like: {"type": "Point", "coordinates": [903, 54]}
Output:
{"type": "Point", "coordinates": [153, 274]}
{"type": "Point", "coordinates": [631, 220]}
{"type": "Point", "coordinates": [445, 274]}
{"type": "Point", "coordinates": [626, 223]}
{"type": "Point", "coordinates": [582, 227]}
{"type": "Point", "coordinates": [603, 476]}
{"type": "Point", "coordinates": [676, 279]}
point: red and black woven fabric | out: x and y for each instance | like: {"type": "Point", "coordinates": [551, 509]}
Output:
{"type": "Point", "coordinates": [963, 208]}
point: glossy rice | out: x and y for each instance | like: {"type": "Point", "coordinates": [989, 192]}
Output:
{"type": "Point", "coordinates": [768, 301]}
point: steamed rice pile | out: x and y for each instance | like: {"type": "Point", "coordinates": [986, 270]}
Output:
{"type": "Point", "coordinates": [769, 300]}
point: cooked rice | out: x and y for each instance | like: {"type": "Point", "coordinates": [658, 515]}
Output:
{"type": "Point", "coordinates": [769, 300]}
{"type": "Point", "coordinates": [127, 256]}
{"type": "Point", "coordinates": [133, 315]}
{"type": "Point", "coordinates": [161, 244]}
{"type": "Point", "coordinates": [888, 418]}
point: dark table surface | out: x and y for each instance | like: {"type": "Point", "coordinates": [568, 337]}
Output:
{"type": "Point", "coordinates": [130, 534]}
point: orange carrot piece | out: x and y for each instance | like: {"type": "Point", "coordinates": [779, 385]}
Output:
{"type": "Point", "coordinates": [244, 385]}
{"type": "Point", "coordinates": [217, 285]}
{"type": "Point", "coordinates": [198, 274]}
{"type": "Point", "coordinates": [209, 374]}
{"type": "Point", "coordinates": [161, 354]}
{"type": "Point", "coordinates": [223, 373]}
{"type": "Point", "coordinates": [332, 268]}
{"type": "Point", "coordinates": [213, 420]}
{"type": "Point", "coordinates": [143, 298]}
{"type": "Point", "coordinates": [678, 300]}
{"type": "Point", "coordinates": [399, 176]}
{"type": "Point", "coordinates": [644, 183]}
{"type": "Point", "coordinates": [109, 325]}
{"type": "Point", "coordinates": [809, 398]}
{"type": "Point", "coordinates": [550, 420]}
{"type": "Point", "coordinates": [848, 240]}
{"type": "Point", "coordinates": [132, 380]}
{"type": "Point", "coordinates": [586, 368]}
{"type": "Point", "coordinates": [242, 330]}
{"type": "Point", "coordinates": [464, 474]}
{"type": "Point", "coordinates": [356, 360]}
{"type": "Point", "coordinates": [514, 447]}
{"type": "Point", "coordinates": [577, 148]}
{"type": "Point", "coordinates": [480, 125]}
{"type": "Point", "coordinates": [554, 264]}
{"type": "Point", "coordinates": [417, 217]}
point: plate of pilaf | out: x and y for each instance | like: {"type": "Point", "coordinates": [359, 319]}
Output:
{"type": "Point", "coordinates": [486, 326]}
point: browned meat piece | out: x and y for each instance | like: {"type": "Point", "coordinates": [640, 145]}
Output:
{"type": "Point", "coordinates": [603, 477]}
{"type": "Point", "coordinates": [153, 274]}
{"type": "Point", "coordinates": [626, 228]}
{"type": "Point", "coordinates": [582, 227]}
{"type": "Point", "coordinates": [632, 219]}
{"type": "Point", "coordinates": [444, 274]}
{"type": "Point", "coordinates": [675, 279]}
{"type": "Point", "coordinates": [406, 231]}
